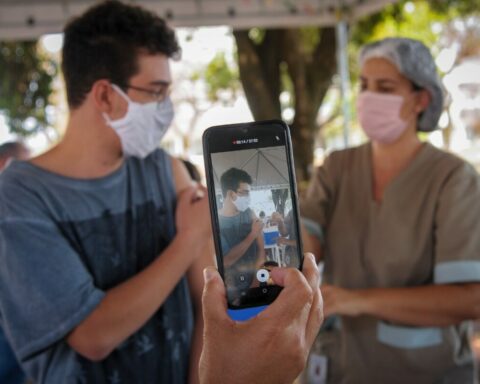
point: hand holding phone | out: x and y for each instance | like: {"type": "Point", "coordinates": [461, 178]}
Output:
{"type": "Point", "coordinates": [251, 351]}
{"type": "Point", "coordinates": [250, 174]}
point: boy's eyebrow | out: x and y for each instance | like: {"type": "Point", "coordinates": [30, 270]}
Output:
{"type": "Point", "coordinates": [160, 82]}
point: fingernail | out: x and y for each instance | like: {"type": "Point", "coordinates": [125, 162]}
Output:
{"type": "Point", "coordinates": [207, 275]}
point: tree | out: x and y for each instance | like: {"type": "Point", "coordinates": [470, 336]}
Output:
{"type": "Point", "coordinates": [279, 198]}
{"type": "Point", "coordinates": [216, 83]}
{"type": "Point", "coordinates": [26, 77]}
{"type": "Point", "coordinates": [299, 61]}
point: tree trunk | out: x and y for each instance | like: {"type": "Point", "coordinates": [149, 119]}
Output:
{"type": "Point", "coordinates": [259, 67]}
{"type": "Point", "coordinates": [312, 78]}
{"type": "Point", "coordinates": [310, 71]}
{"type": "Point", "coordinates": [279, 197]}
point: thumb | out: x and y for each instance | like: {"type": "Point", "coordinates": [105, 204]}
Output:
{"type": "Point", "coordinates": [214, 301]}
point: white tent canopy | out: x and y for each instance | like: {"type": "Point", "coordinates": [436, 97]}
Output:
{"type": "Point", "coordinates": [27, 19]}
{"type": "Point", "coordinates": [266, 166]}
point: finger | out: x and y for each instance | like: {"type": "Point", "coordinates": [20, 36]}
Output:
{"type": "Point", "coordinates": [214, 302]}
{"type": "Point", "coordinates": [310, 271]}
{"type": "Point", "coordinates": [315, 318]}
{"type": "Point", "coordinates": [294, 301]}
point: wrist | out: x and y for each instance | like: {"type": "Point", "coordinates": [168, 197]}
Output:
{"type": "Point", "coordinates": [191, 240]}
{"type": "Point", "coordinates": [365, 302]}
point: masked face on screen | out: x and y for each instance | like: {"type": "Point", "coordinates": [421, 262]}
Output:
{"type": "Point", "coordinates": [241, 197]}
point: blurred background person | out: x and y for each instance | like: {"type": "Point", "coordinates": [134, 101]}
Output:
{"type": "Point", "coordinates": [192, 170]}
{"type": "Point", "coordinates": [397, 224]}
{"type": "Point", "coordinates": [288, 237]}
{"type": "Point", "coordinates": [12, 150]}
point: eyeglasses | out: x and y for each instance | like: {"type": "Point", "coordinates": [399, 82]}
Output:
{"type": "Point", "coordinates": [158, 96]}
{"type": "Point", "coordinates": [243, 192]}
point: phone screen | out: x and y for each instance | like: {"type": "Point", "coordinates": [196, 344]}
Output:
{"type": "Point", "coordinates": [254, 208]}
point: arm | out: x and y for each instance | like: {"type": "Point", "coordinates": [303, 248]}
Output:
{"type": "Point", "coordinates": [277, 219]}
{"type": "Point", "coordinates": [311, 243]}
{"type": "Point", "coordinates": [126, 307]}
{"type": "Point", "coordinates": [195, 276]}
{"type": "Point", "coordinates": [431, 305]}
{"type": "Point", "coordinates": [195, 282]}
{"type": "Point", "coordinates": [285, 241]}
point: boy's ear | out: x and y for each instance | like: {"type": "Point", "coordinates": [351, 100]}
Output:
{"type": "Point", "coordinates": [103, 95]}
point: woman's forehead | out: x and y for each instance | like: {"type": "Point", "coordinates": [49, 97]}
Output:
{"type": "Point", "coordinates": [380, 69]}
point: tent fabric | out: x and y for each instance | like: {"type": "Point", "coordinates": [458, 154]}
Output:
{"type": "Point", "coordinates": [266, 166]}
{"type": "Point", "coordinates": [27, 19]}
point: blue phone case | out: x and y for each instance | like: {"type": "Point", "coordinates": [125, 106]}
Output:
{"type": "Point", "coordinates": [245, 313]}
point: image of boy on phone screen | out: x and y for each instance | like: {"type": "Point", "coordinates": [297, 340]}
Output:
{"type": "Point", "coordinates": [240, 233]}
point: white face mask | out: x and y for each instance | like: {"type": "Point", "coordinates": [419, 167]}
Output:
{"type": "Point", "coordinates": [242, 203]}
{"type": "Point", "coordinates": [143, 126]}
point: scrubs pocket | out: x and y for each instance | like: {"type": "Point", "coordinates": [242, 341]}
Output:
{"type": "Point", "coordinates": [408, 337]}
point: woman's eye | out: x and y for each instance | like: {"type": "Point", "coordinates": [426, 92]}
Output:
{"type": "Point", "coordinates": [386, 90]}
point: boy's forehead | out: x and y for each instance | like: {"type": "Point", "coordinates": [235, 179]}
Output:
{"type": "Point", "coordinates": [152, 69]}
{"type": "Point", "coordinates": [243, 185]}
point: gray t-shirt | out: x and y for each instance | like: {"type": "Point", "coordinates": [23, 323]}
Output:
{"type": "Point", "coordinates": [233, 230]}
{"type": "Point", "coordinates": [425, 231]}
{"type": "Point", "coordinates": [63, 243]}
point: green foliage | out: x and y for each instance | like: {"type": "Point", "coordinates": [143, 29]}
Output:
{"type": "Point", "coordinates": [221, 78]}
{"type": "Point", "coordinates": [257, 35]}
{"type": "Point", "coordinates": [310, 37]}
{"type": "Point", "coordinates": [460, 7]}
{"type": "Point", "coordinates": [26, 77]}
{"type": "Point", "coordinates": [414, 19]}
{"type": "Point", "coordinates": [406, 19]}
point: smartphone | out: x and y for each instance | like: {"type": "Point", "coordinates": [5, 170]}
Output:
{"type": "Point", "coordinates": [254, 211]}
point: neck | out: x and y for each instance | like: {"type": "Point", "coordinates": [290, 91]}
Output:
{"type": "Point", "coordinates": [398, 154]}
{"type": "Point", "coordinates": [229, 208]}
{"type": "Point", "coordinates": [89, 149]}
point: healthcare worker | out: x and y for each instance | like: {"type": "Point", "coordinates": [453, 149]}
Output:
{"type": "Point", "coordinates": [397, 222]}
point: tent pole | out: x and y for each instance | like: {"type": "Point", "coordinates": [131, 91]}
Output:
{"type": "Point", "coordinates": [342, 62]}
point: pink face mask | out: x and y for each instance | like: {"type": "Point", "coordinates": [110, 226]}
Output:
{"type": "Point", "coordinates": [379, 116]}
